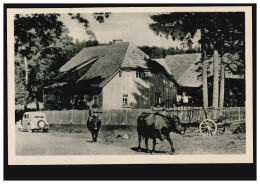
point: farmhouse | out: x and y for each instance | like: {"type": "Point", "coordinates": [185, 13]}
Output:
{"type": "Point", "coordinates": [112, 76]}
{"type": "Point", "coordinates": [184, 68]}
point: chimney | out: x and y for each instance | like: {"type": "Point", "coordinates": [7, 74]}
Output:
{"type": "Point", "coordinates": [117, 41]}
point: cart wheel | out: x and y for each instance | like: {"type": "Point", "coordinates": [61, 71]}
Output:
{"type": "Point", "coordinates": [208, 127]}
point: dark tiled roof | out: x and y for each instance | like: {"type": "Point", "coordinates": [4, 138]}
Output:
{"type": "Point", "coordinates": [86, 54]}
{"type": "Point", "coordinates": [108, 63]}
{"type": "Point", "coordinates": [109, 59]}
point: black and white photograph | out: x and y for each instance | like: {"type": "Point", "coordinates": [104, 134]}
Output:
{"type": "Point", "coordinates": [130, 85]}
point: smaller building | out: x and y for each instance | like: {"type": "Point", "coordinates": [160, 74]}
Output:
{"type": "Point", "coordinates": [185, 68]}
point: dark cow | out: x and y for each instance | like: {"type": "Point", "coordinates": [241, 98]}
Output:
{"type": "Point", "coordinates": [154, 125]}
{"type": "Point", "coordinates": [94, 124]}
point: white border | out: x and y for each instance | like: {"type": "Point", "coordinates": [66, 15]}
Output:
{"type": "Point", "coordinates": [126, 159]}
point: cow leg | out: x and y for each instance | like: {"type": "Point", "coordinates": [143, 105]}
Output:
{"type": "Point", "coordinates": [96, 135]}
{"type": "Point", "coordinates": [93, 137]}
{"type": "Point", "coordinates": [146, 144]}
{"type": "Point", "coordinates": [139, 142]}
{"type": "Point", "coordinates": [154, 143]}
{"type": "Point", "coordinates": [170, 141]}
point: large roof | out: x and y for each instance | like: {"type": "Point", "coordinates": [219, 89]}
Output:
{"type": "Point", "coordinates": [179, 63]}
{"type": "Point", "coordinates": [106, 61]}
{"type": "Point", "coordinates": [190, 77]}
{"type": "Point", "coordinates": [107, 54]}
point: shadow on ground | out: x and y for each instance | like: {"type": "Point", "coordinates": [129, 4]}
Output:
{"type": "Point", "coordinates": [146, 151]}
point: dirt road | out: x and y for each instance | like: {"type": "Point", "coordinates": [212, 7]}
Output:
{"type": "Point", "coordinates": [63, 144]}
{"type": "Point", "coordinates": [77, 141]}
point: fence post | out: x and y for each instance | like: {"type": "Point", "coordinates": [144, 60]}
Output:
{"type": "Point", "coordinates": [72, 116]}
{"type": "Point", "coordinates": [52, 117]}
{"type": "Point", "coordinates": [83, 117]}
{"type": "Point", "coordinates": [109, 122]}
{"type": "Point", "coordinates": [126, 117]}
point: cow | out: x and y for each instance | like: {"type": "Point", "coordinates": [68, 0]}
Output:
{"type": "Point", "coordinates": [155, 125]}
{"type": "Point", "coordinates": [94, 124]}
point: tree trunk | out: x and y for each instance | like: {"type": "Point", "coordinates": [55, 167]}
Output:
{"type": "Point", "coordinates": [26, 70]}
{"type": "Point", "coordinates": [205, 81]}
{"type": "Point", "coordinates": [37, 104]}
{"type": "Point", "coordinates": [215, 80]}
{"type": "Point", "coordinates": [204, 71]}
{"type": "Point", "coordinates": [25, 107]}
{"type": "Point", "coordinates": [222, 84]}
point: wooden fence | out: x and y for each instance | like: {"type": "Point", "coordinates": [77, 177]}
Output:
{"type": "Point", "coordinates": [129, 116]}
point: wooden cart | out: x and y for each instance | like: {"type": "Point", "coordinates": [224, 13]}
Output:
{"type": "Point", "coordinates": [209, 121]}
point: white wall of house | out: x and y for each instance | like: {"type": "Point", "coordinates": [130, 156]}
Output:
{"type": "Point", "coordinates": [118, 87]}
{"type": "Point", "coordinates": [137, 92]}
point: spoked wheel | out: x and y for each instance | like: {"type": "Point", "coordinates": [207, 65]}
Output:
{"type": "Point", "coordinates": [208, 127]}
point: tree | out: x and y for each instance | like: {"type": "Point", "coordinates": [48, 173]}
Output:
{"type": "Point", "coordinates": [34, 35]}
{"type": "Point", "coordinates": [154, 52]}
{"type": "Point", "coordinates": [180, 25]}
{"type": "Point", "coordinates": [216, 33]}
{"type": "Point", "coordinates": [100, 17]}
{"type": "Point", "coordinates": [187, 43]}
{"type": "Point", "coordinates": [42, 41]}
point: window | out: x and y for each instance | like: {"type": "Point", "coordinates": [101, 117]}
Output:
{"type": "Point", "coordinates": [73, 76]}
{"type": "Point", "coordinates": [95, 100]}
{"type": "Point", "coordinates": [38, 116]}
{"type": "Point", "coordinates": [138, 74]}
{"type": "Point", "coordinates": [142, 75]}
{"type": "Point", "coordinates": [26, 116]}
{"type": "Point", "coordinates": [125, 99]}
{"type": "Point", "coordinates": [157, 99]}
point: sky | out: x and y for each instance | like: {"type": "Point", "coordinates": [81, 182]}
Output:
{"type": "Point", "coordinates": [130, 27]}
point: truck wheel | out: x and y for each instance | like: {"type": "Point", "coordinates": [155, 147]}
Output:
{"type": "Point", "coordinates": [41, 124]}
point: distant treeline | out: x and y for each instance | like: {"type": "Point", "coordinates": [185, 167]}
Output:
{"type": "Point", "coordinates": [157, 52]}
